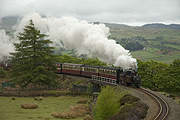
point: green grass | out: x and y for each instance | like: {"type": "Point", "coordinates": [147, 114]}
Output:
{"type": "Point", "coordinates": [11, 110]}
{"type": "Point", "coordinates": [155, 54]}
{"type": "Point", "coordinates": [173, 46]}
{"type": "Point", "coordinates": [146, 55]}
{"type": "Point", "coordinates": [168, 40]}
{"type": "Point", "coordinates": [167, 34]}
{"type": "Point", "coordinates": [143, 55]}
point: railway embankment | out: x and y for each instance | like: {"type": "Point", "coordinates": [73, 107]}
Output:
{"type": "Point", "coordinates": [174, 108]}
{"type": "Point", "coordinates": [132, 108]}
{"type": "Point", "coordinates": [153, 108]}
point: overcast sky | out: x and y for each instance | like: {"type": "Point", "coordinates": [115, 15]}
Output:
{"type": "Point", "coordinates": [132, 12]}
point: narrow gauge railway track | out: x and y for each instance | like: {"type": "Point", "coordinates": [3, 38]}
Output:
{"type": "Point", "coordinates": [101, 75]}
{"type": "Point", "coordinates": [111, 76]}
{"type": "Point", "coordinates": [163, 106]}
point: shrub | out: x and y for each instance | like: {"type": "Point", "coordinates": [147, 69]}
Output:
{"type": "Point", "coordinates": [79, 110]}
{"type": "Point", "coordinates": [13, 98]}
{"type": "Point", "coordinates": [88, 117]}
{"type": "Point", "coordinates": [82, 101]}
{"type": "Point", "coordinates": [29, 106]}
{"type": "Point", "coordinates": [38, 98]}
{"type": "Point", "coordinates": [2, 73]}
{"type": "Point", "coordinates": [134, 111]}
{"type": "Point", "coordinates": [131, 109]}
{"type": "Point", "coordinates": [107, 103]}
{"type": "Point", "coordinates": [64, 115]}
{"type": "Point", "coordinates": [160, 76]}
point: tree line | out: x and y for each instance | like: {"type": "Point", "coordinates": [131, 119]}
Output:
{"type": "Point", "coordinates": [160, 76]}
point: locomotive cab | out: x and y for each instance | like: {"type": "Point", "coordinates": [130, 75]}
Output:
{"type": "Point", "coordinates": [130, 78]}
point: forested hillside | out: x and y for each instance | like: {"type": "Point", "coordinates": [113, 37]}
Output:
{"type": "Point", "coordinates": [149, 42]}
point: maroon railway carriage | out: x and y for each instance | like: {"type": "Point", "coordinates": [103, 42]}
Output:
{"type": "Point", "coordinates": [103, 74]}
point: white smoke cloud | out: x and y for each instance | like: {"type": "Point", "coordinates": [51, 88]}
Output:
{"type": "Point", "coordinates": [71, 33]}
{"type": "Point", "coordinates": [84, 37]}
{"type": "Point", "coordinates": [6, 46]}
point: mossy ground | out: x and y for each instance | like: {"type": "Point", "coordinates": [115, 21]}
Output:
{"type": "Point", "coordinates": [131, 109]}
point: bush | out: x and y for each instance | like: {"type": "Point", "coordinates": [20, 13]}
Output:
{"type": "Point", "coordinates": [82, 101]}
{"type": "Point", "coordinates": [29, 106]}
{"type": "Point", "coordinates": [88, 117]}
{"type": "Point", "coordinates": [160, 76]}
{"type": "Point", "coordinates": [179, 101]}
{"type": "Point", "coordinates": [134, 111]}
{"type": "Point", "coordinates": [64, 115]}
{"type": "Point", "coordinates": [107, 103]}
{"type": "Point", "coordinates": [131, 109]}
{"type": "Point", "coordinates": [87, 61]}
{"type": "Point", "coordinates": [2, 73]}
{"type": "Point", "coordinates": [79, 110]}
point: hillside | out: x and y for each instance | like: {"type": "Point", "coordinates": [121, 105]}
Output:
{"type": "Point", "coordinates": [160, 25]}
{"type": "Point", "coordinates": [155, 41]}
{"type": "Point", "coordinates": [7, 22]}
{"type": "Point", "coordinates": [150, 42]}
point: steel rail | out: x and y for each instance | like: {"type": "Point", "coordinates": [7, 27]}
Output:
{"type": "Point", "coordinates": [163, 105]}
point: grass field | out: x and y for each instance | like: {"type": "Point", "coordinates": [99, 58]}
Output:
{"type": "Point", "coordinates": [161, 44]}
{"type": "Point", "coordinates": [154, 55]}
{"type": "Point", "coordinates": [11, 110]}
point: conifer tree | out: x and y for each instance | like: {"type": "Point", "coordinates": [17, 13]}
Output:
{"type": "Point", "coordinates": [33, 61]}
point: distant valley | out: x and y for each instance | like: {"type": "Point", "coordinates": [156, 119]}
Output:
{"type": "Point", "coordinates": [149, 42]}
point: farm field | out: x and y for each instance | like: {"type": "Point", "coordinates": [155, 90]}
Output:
{"type": "Point", "coordinates": [160, 44]}
{"type": "Point", "coordinates": [11, 109]}
{"type": "Point", "coordinates": [154, 55]}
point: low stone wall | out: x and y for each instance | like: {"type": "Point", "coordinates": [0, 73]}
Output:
{"type": "Point", "coordinates": [34, 93]}
{"type": "Point", "coordinates": [69, 85]}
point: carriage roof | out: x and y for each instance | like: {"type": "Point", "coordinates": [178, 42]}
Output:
{"type": "Point", "coordinates": [98, 67]}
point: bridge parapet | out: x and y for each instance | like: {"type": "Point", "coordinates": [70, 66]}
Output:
{"type": "Point", "coordinates": [104, 80]}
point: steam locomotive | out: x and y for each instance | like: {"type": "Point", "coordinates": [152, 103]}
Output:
{"type": "Point", "coordinates": [110, 75]}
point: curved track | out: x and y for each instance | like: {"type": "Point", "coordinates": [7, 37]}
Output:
{"type": "Point", "coordinates": [163, 106]}
{"type": "Point", "coordinates": [114, 80]}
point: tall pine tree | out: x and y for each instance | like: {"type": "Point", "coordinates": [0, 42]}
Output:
{"type": "Point", "coordinates": [32, 61]}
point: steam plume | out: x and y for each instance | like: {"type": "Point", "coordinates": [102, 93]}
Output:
{"type": "Point", "coordinates": [6, 45]}
{"type": "Point", "coordinates": [85, 38]}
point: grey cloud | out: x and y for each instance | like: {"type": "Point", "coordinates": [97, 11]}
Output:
{"type": "Point", "coordinates": [128, 11]}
